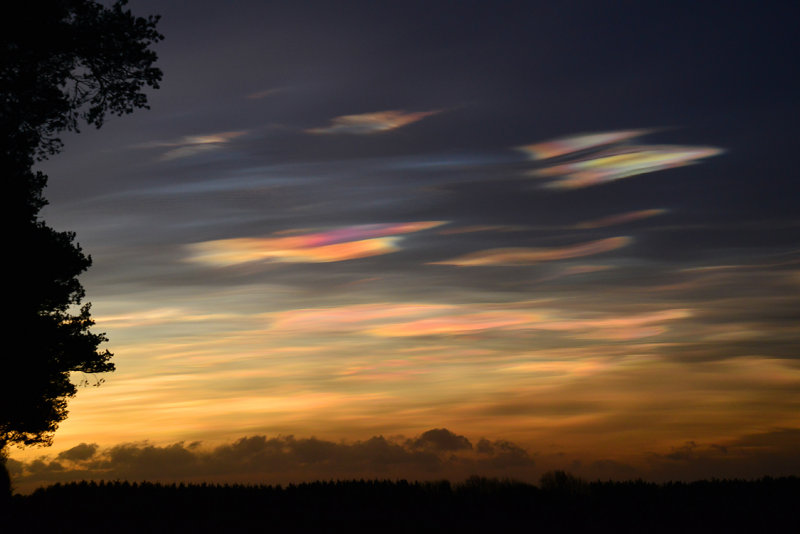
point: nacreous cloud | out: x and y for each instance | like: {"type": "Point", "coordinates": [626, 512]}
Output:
{"type": "Point", "coordinates": [604, 157]}
{"type": "Point", "coordinates": [529, 256]}
{"type": "Point", "coordinates": [622, 162]}
{"type": "Point", "coordinates": [577, 143]}
{"type": "Point", "coordinates": [341, 244]}
{"type": "Point", "coordinates": [191, 145]}
{"type": "Point", "coordinates": [371, 123]}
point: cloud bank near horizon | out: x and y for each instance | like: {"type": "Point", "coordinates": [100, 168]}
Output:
{"type": "Point", "coordinates": [432, 455]}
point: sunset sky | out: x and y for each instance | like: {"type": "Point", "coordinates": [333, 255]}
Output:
{"type": "Point", "coordinates": [432, 239]}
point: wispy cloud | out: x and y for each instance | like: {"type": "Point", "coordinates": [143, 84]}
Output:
{"type": "Point", "coordinates": [371, 123]}
{"type": "Point", "coordinates": [607, 328]}
{"type": "Point", "coordinates": [607, 156]}
{"type": "Point", "coordinates": [192, 145]}
{"type": "Point", "coordinates": [578, 143]}
{"type": "Point", "coordinates": [482, 228]}
{"type": "Point", "coordinates": [529, 256]}
{"type": "Point", "coordinates": [459, 324]}
{"type": "Point", "coordinates": [340, 244]}
{"type": "Point", "coordinates": [354, 317]}
{"type": "Point", "coordinates": [408, 319]}
{"type": "Point", "coordinates": [620, 218]}
{"type": "Point", "coordinates": [622, 162]}
{"type": "Point", "coordinates": [258, 95]}
{"type": "Point", "coordinates": [572, 270]}
{"type": "Point", "coordinates": [160, 316]}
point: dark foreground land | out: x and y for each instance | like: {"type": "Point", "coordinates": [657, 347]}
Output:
{"type": "Point", "coordinates": [477, 505]}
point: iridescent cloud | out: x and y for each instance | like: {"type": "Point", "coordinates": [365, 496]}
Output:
{"type": "Point", "coordinates": [409, 319]}
{"type": "Point", "coordinates": [356, 316]}
{"type": "Point", "coordinates": [191, 145]}
{"type": "Point", "coordinates": [371, 123]}
{"type": "Point", "coordinates": [320, 247]}
{"type": "Point", "coordinates": [606, 328]}
{"type": "Point", "coordinates": [577, 143]}
{"type": "Point", "coordinates": [459, 324]}
{"type": "Point", "coordinates": [620, 218]}
{"type": "Point", "coordinates": [622, 162]}
{"type": "Point", "coordinates": [160, 316]}
{"type": "Point", "coordinates": [529, 256]}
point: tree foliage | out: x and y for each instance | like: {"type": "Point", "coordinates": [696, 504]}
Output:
{"type": "Point", "coordinates": [63, 63]}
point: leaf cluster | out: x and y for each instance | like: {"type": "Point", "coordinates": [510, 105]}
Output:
{"type": "Point", "coordinates": [63, 63]}
{"type": "Point", "coordinates": [68, 62]}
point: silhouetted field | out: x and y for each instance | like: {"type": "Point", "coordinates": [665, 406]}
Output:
{"type": "Point", "coordinates": [477, 505]}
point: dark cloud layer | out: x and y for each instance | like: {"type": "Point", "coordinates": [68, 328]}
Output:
{"type": "Point", "coordinates": [435, 454]}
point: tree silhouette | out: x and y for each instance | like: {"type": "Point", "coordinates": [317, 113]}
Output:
{"type": "Point", "coordinates": [63, 63]}
{"type": "Point", "coordinates": [562, 482]}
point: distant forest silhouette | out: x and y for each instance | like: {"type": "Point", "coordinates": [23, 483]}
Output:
{"type": "Point", "coordinates": [560, 503]}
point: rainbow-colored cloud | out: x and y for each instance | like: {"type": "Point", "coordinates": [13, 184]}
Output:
{"type": "Point", "coordinates": [340, 244]}
{"type": "Point", "coordinates": [619, 160]}
{"type": "Point", "coordinates": [191, 145]}
{"type": "Point", "coordinates": [577, 143]}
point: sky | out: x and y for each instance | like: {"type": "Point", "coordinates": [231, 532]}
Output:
{"type": "Point", "coordinates": [433, 239]}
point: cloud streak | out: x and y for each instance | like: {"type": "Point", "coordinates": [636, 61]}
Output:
{"type": "Point", "coordinates": [620, 218]}
{"type": "Point", "coordinates": [531, 256]}
{"type": "Point", "coordinates": [192, 145]}
{"type": "Point", "coordinates": [594, 159]}
{"type": "Point", "coordinates": [342, 244]}
{"type": "Point", "coordinates": [622, 162]}
{"type": "Point", "coordinates": [398, 320]}
{"type": "Point", "coordinates": [372, 123]}
{"type": "Point", "coordinates": [578, 143]}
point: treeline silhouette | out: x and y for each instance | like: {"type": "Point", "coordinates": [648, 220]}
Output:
{"type": "Point", "coordinates": [562, 503]}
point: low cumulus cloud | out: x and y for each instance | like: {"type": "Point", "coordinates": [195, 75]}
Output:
{"type": "Point", "coordinates": [435, 454]}
{"type": "Point", "coordinates": [372, 123]}
{"type": "Point", "coordinates": [773, 453]}
{"type": "Point", "coordinates": [440, 439]}
{"type": "Point", "coordinates": [79, 453]}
